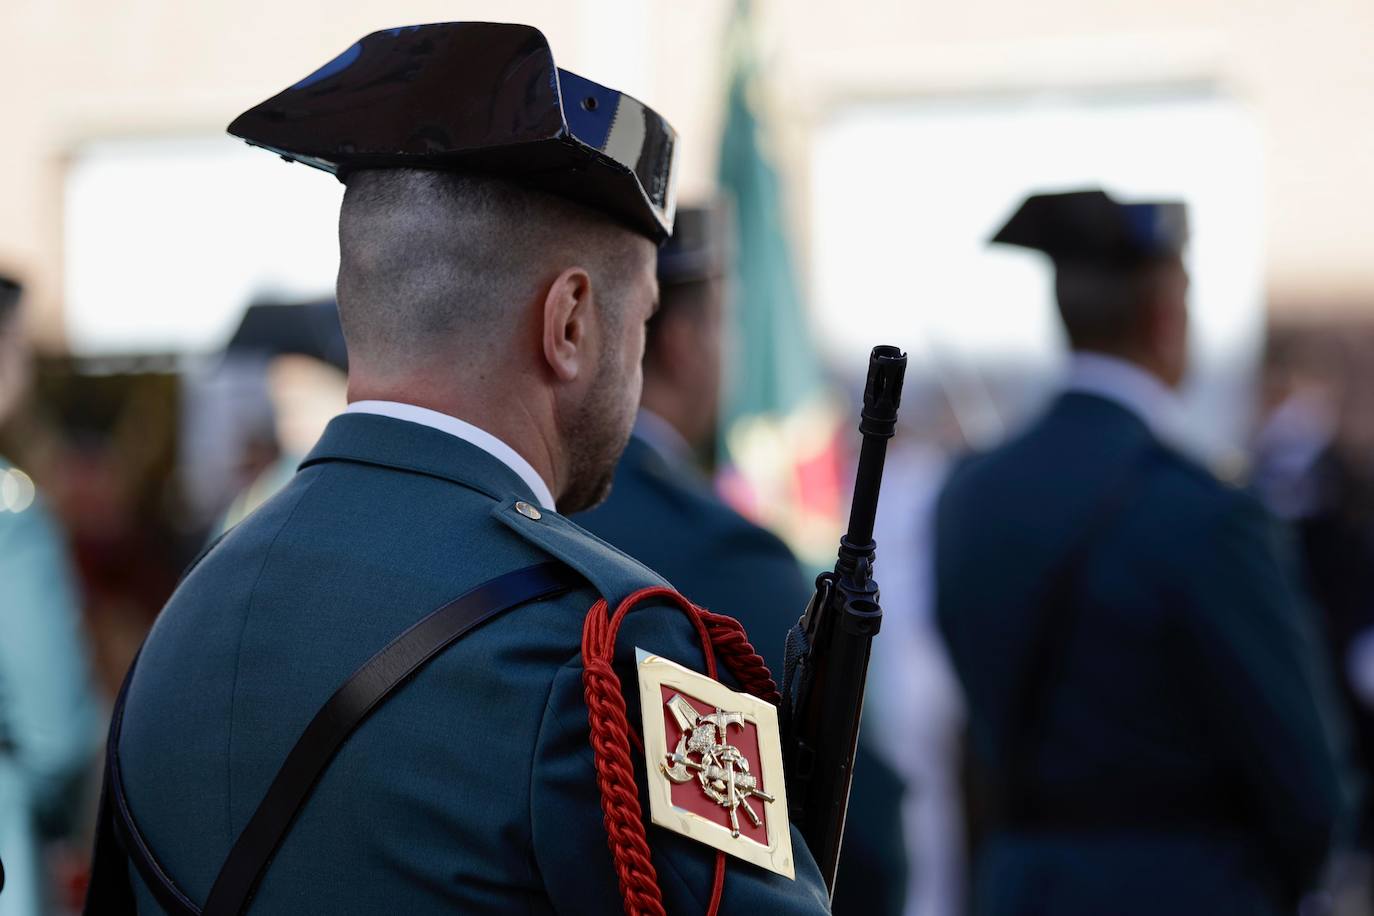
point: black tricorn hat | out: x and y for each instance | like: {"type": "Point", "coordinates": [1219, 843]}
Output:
{"type": "Point", "coordinates": [1092, 227]}
{"type": "Point", "coordinates": [702, 246]}
{"type": "Point", "coordinates": [479, 96]}
{"type": "Point", "coordinates": [10, 293]}
{"type": "Point", "coordinates": [307, 328]}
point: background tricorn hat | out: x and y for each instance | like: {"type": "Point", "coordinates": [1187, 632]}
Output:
{"type": "Point", "coordinates": [307, 328]}
{"type": "Point", "coordinates": [702, 247]}
{"type": "Point", "coordinates": [1091, 226]}
{"type": "Point", "coordinates": [477, 96]}
{"type": "Point", "coordinates": [10, 292]}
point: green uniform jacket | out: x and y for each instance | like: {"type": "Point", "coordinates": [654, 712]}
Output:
{"type": "Point", "coordinates": [1189, 750]}
{"type": "Point", "coordinates": [472, 790]}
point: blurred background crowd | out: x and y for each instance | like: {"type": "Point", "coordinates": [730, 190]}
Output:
{"type": "Point", "coordinates": [153, 385]}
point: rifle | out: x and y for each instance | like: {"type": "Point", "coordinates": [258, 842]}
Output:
{"type": "Point", "coordinates": [828, 649]}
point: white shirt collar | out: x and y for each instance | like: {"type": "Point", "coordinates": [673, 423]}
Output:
{"type": "Point", "coordinates": [661, 436]}
{"type": "Point", "coordinates": [1126, 384]}
{"type": "Point", "coordinates": [470, 434]}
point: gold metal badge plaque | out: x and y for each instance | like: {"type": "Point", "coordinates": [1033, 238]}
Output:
{"type": "Point", "coordinates": [714, 759]}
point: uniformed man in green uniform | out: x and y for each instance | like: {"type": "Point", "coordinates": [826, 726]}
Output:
{"type": "Point", "coordinates": [1145, 697]}
{"type": "Point", "coordinates": [497, 245]}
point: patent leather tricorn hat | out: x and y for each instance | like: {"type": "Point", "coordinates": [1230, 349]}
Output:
{"type": "Point", "coordinates": [476, 96]}
{"type": "Point", "coordinates": [1091, 226]}
{"type": "Point", "coordinates": [702, 247]}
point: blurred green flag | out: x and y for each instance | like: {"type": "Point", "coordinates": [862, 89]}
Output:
{"type": "Point", "coordinates": [773, 366]}
{"type": "Point", "coordinates": [781, 466]}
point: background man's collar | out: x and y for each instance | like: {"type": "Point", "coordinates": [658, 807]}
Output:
{"type": "Point", "coordinates": [662, 437]}
{"type": "Point", "coordinates": [1126, 384]}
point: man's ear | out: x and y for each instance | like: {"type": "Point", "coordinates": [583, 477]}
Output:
{"type": "Point", "coordinates": [567, 314]}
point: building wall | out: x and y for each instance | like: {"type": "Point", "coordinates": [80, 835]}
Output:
{"type": "Point", "coordinates": [1304, 69]}
{"type": "Point", "coordinates": [73, 70]}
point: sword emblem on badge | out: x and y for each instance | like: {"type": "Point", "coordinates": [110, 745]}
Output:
{"type": "Point", "coordinates": [720, 767]}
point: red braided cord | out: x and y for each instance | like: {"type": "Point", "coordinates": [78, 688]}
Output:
{"type": "Point", "coordinates": [611, 734]}
{"type": "Point", "coordinates": [614, 771]}
{"type": "Point", "coordinates": [732, 644]}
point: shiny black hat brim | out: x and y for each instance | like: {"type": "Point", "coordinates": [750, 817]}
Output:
{"type": "Point", "coordinates": [485, 97]}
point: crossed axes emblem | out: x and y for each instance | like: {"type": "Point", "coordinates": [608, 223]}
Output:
{"type": "Point", "coordinates": [719, 767]}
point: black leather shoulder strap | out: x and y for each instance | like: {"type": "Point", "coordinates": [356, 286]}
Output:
{"type": "Point", "coordinates": [366, 689]}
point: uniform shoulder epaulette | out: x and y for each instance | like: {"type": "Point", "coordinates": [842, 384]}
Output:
{"type": "Point", "coordinates": [612, 573]}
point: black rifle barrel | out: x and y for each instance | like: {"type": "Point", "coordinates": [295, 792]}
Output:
{"type": "Point", "coordinates": [840, 623]}
{"type": "Point", "coordinates": [878, 422]}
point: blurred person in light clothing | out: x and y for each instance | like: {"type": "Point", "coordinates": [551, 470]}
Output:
{"type": "Point", "coordinates": [49, 722]}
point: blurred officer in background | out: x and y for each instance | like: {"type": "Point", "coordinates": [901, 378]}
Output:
{"type": "Point", "coordinates": [49, 721]}
{"type": "Point", "coordinates": [1145, 693]}
{"type": "Point", "coordinates": [497, 244]}
{"type": "Point", "coordinates": [300, 348]}
{"type": "Point", "coordinates": [663, 512]}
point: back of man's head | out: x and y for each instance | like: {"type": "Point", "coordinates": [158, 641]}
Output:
{"type": "Point", "coordinates": [1101, 305]}
{"type": "Point", "coordinates": [1107, 306]}
{"type": "Point", "coordinates": [682, 305]}
{"type": "Point", "coordinates": [1137, 311]}
{"type": "Point", "coordinates": [683, 357]}
{"type": "Point", "coordinates": [510, 308]}
{"type": "Point", "coordinates": [431, 261]}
